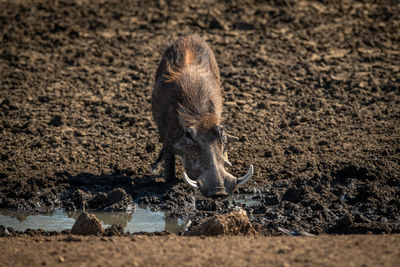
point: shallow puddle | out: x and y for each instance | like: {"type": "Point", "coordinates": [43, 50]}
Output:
{"type": "Point", "coordinates": [246, 199]}
{"type": "Point", "coordinates": [142, 220]}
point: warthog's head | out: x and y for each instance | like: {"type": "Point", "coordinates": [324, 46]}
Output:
{"type": "Point", "coordinates": [204, 156]}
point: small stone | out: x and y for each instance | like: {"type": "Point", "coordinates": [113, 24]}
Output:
{"type": "Point", "coordinates": [87, 224]}
{"type": "Point", "coordinates": [261, 105]}
{"type": "Point", "coordinates": [217, 23]}
{"type": "Point", "coordinates": [150, 147]}
{"type": "Point", "coordinates": [56, 121]}
{"type": "Point", "coordinates": [282, 124]}
{"type": "Point", "coordinates": [267, 154]}
{"type": "Point", "coordinates": [61, 259]}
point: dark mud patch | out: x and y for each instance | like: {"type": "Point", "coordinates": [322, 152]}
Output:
{"type": "Point", "coordinates": [114, 230]}
{"type": "Point", "coordinates": [311, 89]}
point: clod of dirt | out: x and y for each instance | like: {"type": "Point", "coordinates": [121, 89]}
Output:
{"type": "Point", "coordinates": [233, 223]}
{"type": "Point", "coordinates": [81, 198]}
{"type": "Point", "coordinates": [87, 224]}
{"type": "Point", "coordinates": [116, 200]}
{"type": "Point", "coordinates": [56, 121]}
{"type": "Point", "coordinates": [119, 200]}
{"type": "Point", "coordinates": [98, 200]}
{"type": "Point", "coordinates": [114, 230]}
{"type": "Point", "coordinates": [4, 231]}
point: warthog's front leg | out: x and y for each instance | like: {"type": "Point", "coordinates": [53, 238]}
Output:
{"type": "Point", "coordinates": [155, 166]}
{"type": "Point", "coordinates": [169, 163]}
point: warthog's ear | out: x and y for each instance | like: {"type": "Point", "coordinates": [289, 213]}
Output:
{"type": "Point", "coordinates": [225, 137]}
{"type": "Point", "coordinates": [187, 140]}
{"type": "Point", "coordinates": [219, 130]}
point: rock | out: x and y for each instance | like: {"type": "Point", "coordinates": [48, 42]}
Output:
{"type": "Point", "coordinates": [262, 105]}
{"type": "Point", "coordinates": [3, 231]}
{"type": "Point", "coordinates": [116, 200]}
{"type": "Point", "coordinates": [87, 224]}
{"type": "Point", "coordinates": [233, 223]}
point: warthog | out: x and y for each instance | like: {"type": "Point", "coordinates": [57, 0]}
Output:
{"type": "Point", "coordinates": [187, 105]}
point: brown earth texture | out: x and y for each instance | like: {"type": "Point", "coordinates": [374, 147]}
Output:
{"type": "Point", "coordinates": [311, 88]}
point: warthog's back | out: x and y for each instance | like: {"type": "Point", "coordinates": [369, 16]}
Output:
{"type": "Point", "coordinates": [187, 88]}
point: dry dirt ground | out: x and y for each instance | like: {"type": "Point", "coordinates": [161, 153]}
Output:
{"type": "Point", "coordinates": [312, 89]}
{"type": "Point", "coordinates": [349, 250]}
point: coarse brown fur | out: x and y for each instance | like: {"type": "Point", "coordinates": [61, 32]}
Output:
{"type": "Point", "coordinates": [187, 93]}
{"type": "Point", "coordinates": [187, 89]}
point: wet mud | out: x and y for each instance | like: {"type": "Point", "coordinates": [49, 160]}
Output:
{"type": "Point", "coordinates": [311, 88]}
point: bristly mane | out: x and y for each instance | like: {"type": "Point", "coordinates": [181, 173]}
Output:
{"type": "Point", "coordinates": [200, 101]}
{"type": "Point", "coordinates": [200, 98]}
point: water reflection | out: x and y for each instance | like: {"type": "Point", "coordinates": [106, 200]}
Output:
{"type": "Point", "coordinates": [19, 216]}
{"type": "Point", "coordinates": [107, 218]}
{"type": "Point", "coordinates": [174, 225]}
{"type": "Point", "coordinates": [54, 221]}
{"type": "Point", "coordinates": [247, 199]}
{"type": "Point", "coordinates": [142, 220]}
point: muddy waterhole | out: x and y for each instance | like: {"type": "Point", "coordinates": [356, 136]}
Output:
{"type": "Point", "coordinates": [144, 218]}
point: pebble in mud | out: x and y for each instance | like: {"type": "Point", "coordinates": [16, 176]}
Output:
{"type": "Point", "coordinates": [56, 121]}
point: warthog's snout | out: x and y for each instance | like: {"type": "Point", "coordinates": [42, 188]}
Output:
{"type": "Point", "coordinates": [229, 182]}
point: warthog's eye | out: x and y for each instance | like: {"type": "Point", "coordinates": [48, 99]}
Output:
{"type": "Point", "coordinates": [187, 140]}
{"type": "Point", "coordinates": [190, 133]}
{"type": "Point", "coordinates": [184, 143]}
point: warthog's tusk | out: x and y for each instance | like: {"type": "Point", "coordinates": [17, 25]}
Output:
{"type": "Point", "coordinates": [227, 163]}
{"type": "Point", "coordinates": [247, 177]}
{"type": "Point", "coordinates": [190, 182]}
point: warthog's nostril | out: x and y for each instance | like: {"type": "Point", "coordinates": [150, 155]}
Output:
{"type": "Point", "coordinates": [220, 194]}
